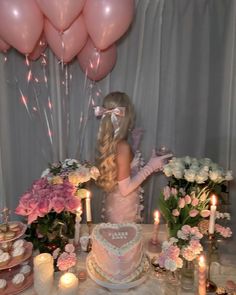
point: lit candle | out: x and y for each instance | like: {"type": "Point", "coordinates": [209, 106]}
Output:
{"type": "Point", "coordinates": [77, 224]}
{"type": "Point", "coordinates": [211, 228]}
{"type": "Point", "coordinates": [201, 276]}
{"type": "Point", "coordinates": [43, 273]}
{"type": "Point", "coordinates": [88, 207]}
{"type": "Point", "coordinates": [155, 228]}
{"type": "Point", "coordinates": [68, 284]}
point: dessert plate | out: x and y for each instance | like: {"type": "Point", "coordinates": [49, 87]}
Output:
{"type": "Point", "coordinates": [13, 290]}
{"type": "Point", "coordinates": [100, 280]}
{"type": "Point", "coordinates": [15, 261]}
{"type": "Point", "coordinates": [22, 229]}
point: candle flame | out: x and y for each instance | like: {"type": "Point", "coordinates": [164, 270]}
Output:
{"type": "Point", "coordinates": [213, 200]}
{"type": "Point", "coordinates": [202, 260]}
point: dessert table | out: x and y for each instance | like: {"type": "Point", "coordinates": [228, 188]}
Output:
{"type": "Point", "coordinates": [221, 271]}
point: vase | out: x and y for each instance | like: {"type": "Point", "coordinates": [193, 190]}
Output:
{"type": "Point", "coordinates": [172, 283]}
{"type": "Point", "coordinates": [187, 275]}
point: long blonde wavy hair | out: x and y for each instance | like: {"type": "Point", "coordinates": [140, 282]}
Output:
{"type": "Point", "coordinates": [107, 142]}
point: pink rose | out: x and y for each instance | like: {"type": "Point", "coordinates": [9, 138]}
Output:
{"type": "Point", "coordinates": [175, 212]}
{"type": "Point", "coordinates": [193, 213]}
{"type": "Point", "coordinates": [187, 199]}
{"type": "Point", "coordinates": [72, 204]}
{"type": "Point", "coordinates": [58, 204]}
{"type": "Point", "coordinates": [69, 248]}
{"type": "Point", "coordinates": [181, 203]}
{"type": "Point", "coordinates": [44, 206]}
{"type": "Point", "coordinates": [195, 201]}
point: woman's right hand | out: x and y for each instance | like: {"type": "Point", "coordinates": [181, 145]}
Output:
{"type": "Point", "coordinates": [157, 162]}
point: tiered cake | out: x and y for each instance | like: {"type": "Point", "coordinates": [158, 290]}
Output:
{"type": "Point", "coordinates": [15, 253]}
{"type": "Point", "coordinates": [117, 252]}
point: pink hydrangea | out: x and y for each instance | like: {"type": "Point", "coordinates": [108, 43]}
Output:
{"type": "Point", "coordinates": [225, 232]}
{"type": "Point", "coordinates": [69, 248]}
{"type": "Point", "coordinates": [66, 261]}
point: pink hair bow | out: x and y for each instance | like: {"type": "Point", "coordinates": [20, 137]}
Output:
{"type": "Point", "coordinates": [116, 112]}
{"type": "Point", "coordinates": [101, 111]}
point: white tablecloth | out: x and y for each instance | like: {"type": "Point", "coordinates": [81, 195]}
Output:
{"type": "Point", "coordinates": [220, 273]}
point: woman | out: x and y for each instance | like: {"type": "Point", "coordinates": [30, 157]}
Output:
{"type": "Point", "coordinates": [116, 161]}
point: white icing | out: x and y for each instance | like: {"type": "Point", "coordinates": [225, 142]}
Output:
{"type": "Point", "coordinates": [25, 269]}
{"type": "Point", "coordinates": [18, 278]}
{"type": "Point", "coordinates": [18, 251]}
{"type": "Point", "coordinates": [3, 283]}
{"type": "Point", "coordinates": [18, 243]}
{"type": "Point", "coordinates": [4, 257]}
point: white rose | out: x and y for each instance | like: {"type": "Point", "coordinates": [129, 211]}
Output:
{"type": "Point", "coordinates": [216, 176]}
{"type": "Point", "coordinates": [167, 170]}
{"type": "Point", "coordinates": [206, 161]}
{"type": "Point", "coordinates": [170, 264]}
{"type": "Point", "coordinates": [201, 177]}
{"type": "Point", "coordinates": [178, 173]}
{"type": "Point", "coordinates": [229, 175]}
{"type": "Point", "coordinates": [187, 160]}
{"type": "Point", "coordinates": [45, 172]}
{"type": "Point", "coordinates": [71, 162]}
{"type": "Point", "coordinates": [189, 175]}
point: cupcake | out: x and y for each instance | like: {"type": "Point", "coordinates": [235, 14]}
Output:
{"type": "Point", "coordinates": [3, 284]}
{"type": "Point", "coordinates": [18, 280]}
{"type": "Point", "coordinates": [4, 259]}
{"type": "Point", "coordinates": [6, 246]}
{"type": "Point", "coordinates": [9, 235]}
{"type": "Point", "coordinates": [25, 270]}
{"type": "Point", "coordinates": [18, 244]}
{"type": "Point", "coordinates": [18, 253]}
{"type": "Point", "coordinates": [14, 226]}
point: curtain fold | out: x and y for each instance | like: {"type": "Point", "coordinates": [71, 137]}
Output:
{"type": "Point", "coordinates": [176, 62]}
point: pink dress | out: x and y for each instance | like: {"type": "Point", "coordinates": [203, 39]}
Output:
{"type": "Point", "coordinates": [120, 209]}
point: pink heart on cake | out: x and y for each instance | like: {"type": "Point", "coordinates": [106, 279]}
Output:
{"type": "Point", "coordinates": [118, 235]}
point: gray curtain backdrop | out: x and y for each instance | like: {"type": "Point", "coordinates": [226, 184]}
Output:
{"type": "Point", "coordinates": [177, 62]}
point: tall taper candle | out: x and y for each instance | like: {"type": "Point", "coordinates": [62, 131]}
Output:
{"type": "Point", "coordinates": [201, 276]}
{"type": "Point", "coordinates": [88, 207]}
{"type": "Point", "coordinates": [212, 215]}
{"type": "Point", "coordinates": [155, 227]}
{"type": "Point", "coordinates": [77, 224]}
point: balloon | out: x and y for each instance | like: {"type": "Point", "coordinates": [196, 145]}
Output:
{"type": "Point", "coordinates": [107, 20]}
{"type": "Point", "coordinates": [97, 64]}
{"type": "Point", "coordinates": [61, 13]}
{"type": "Point", "coordinates": [4, 46]}
{"type": "Point", "coordinates": [21, 23]}
{"type": "Point", "coordinates": [67, 44]}
{"type": "Point", "coordinates": [39, 48]}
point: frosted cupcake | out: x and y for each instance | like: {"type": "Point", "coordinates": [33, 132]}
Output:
{"type": "Point", "coordinates": [6, 246]}
{"type": "Point", "coordinates": [18, 244]}
{"type": "Point", "coordinates": [4, 259]}
{"type": "Point", "coordinates": [3, 284]}
{"type": "Point", "coordinates": [18, 253]}
{"type": "Point", "coordinates": [18, 280]}
{"type": "Point", "coordinates": [26, 270]}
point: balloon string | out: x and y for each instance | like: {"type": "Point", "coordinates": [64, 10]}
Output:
{"type": "Point", "coordinates": [63, 50]}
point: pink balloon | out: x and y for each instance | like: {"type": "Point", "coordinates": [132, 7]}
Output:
{"type": "Point", "coordinates": [68, 44]}
{"type": "Point", "coordinates": [39, 48]}
{"type": "Point", "coordinates": [107, 20]}
{"type": "Point", "coordinates": [97, 64]}
{"type": "Point", "coordinates": [21, 23]}
{"type": "Point", "coordinates": [4, 46]}
{"type": "Point", "coordinates": [61, 13]}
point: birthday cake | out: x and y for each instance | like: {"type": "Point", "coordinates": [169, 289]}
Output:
{"type": "Point", "coordinates": [117, 251]}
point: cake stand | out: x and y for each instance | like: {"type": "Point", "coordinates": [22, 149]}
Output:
{"type": "Point", "coordinates": [8, 271]}
{"type": "Point", "coordinates": [121, 287]}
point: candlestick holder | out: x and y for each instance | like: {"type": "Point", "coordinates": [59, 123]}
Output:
{"type": "Point", "coordinates": [210, 285]}
{"type": "Point", "coordinates": [89, 246]}
{"type": "Point", "coordinates": [153, 244]}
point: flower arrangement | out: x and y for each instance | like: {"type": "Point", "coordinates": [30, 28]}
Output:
{"type": "Point", "coordinates": [65, 259]}
{"type": "Point", "coordinates": [52, 202]}
{"type": "Point", "coordinates": [186, 198]}
{"type": "Point", "coordinates": [186, 247]}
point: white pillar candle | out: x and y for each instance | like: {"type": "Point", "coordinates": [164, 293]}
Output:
{"type": "Point", "coordinates": [43, 273]}
{"type": "Point", "coordinates": [68, 284]}
{"type": "Point", "coordinates": [211, 228]}
{"type": "Point", "coordinates": [155, 227]}
{"type": "Point", "coordinates": [88, 207]}
{"type": "Point", "coordinates": [202, 276]}
{"type": "Point", "coordinates": [77, 224]}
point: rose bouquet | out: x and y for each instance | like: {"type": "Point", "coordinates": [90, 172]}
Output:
{"type": "Point", "coordinates": [52, 202]}
{"type": "Point", "coordinates": [186, 198]}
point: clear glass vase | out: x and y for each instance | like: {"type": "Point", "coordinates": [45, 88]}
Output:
{"type": "Point", "coordinates": [187, 275]}
{"type": "Point", "coordinates": [172, 283]}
